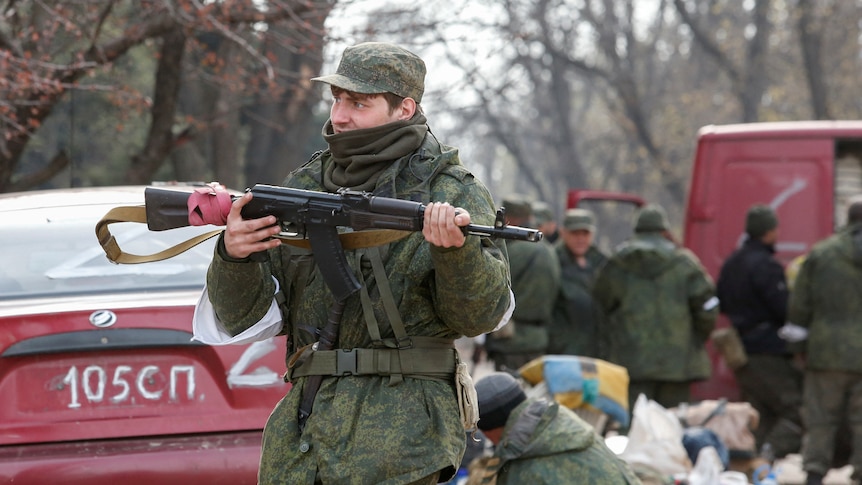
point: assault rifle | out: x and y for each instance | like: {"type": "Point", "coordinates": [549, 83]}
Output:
{"type": "Point", "coordinates": [316, 217]}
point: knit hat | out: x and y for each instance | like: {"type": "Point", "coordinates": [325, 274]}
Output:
{"type": "Point", "coordinates": [498, 394]}
{"type": "Point", "coordinates": [759, 220]}
{"type": "Point", "coordinates": [517, 206]}
{"type": "Point", "coordinates": [651, 218]}
{"type": "Point", "coordinates": [379, 67]}
{"type": "Point", "coordinates": [576, 219]}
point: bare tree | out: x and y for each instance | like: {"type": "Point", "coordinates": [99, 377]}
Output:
{"type": "Point", "coordinates": [811, 23]}
{"type": "Point", "coordinates": [710, 22]}
{"type": "Point", "coordinates": [48, 51]}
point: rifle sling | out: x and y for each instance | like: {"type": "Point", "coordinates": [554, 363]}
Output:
{"type": "Point", "coordinates": [430, 358]}
{"type": "Point", "coordinates": [138, 214]}
{"type": "Point", "coordinates": [349, 240]}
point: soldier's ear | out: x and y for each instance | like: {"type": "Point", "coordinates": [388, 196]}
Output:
{"type": "Point", "coordinates": [407, 109]}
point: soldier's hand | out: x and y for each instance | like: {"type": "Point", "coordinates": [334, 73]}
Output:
{"type": "Point", "coordinates": [244, 237]}
{"type": "Point", "coordinates": [442, 225]}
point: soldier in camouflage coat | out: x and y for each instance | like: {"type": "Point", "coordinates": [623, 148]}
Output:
{"type": "Point", "coordinates": [827, 299]}
{"type": "Point", "coordinates": [535, 275]}
{"type": "Point", "coordinates": [661, 309]}
{"type": "Point", "coordinates": [540, 442]}
{"type": "Point", "coordinates": [395, 420]}
{"type": "Point", "coordinates": [576, 328]}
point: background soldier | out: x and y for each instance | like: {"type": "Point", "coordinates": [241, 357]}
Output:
{"type": "Point", "coordinates": [661, 307]}
{"type": "Point", "coordinates": [752, 291]}
{"type": "Point", "coordinates": [827, 299]}
{"type": "Point", "coordinates": [535, 274]}
{"type": "Point", "coordinates": [577, 321]}
{"type": "Point", "coordinates": [545, 221]}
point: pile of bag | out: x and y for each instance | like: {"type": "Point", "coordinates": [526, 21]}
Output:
{"type": "Point", "coordinates": [690, 443]}
{"type": "Point", "coordinates": [582, 382]}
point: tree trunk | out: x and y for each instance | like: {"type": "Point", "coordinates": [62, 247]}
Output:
{"type": "Point", "coordinates": [160, 140]}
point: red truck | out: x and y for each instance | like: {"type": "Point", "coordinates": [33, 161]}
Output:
{"type": "Point", "coordinates": [805, 170]}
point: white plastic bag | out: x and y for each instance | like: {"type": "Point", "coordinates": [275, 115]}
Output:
{"type": "Point", "coordinates": [707, 469]}
{"type": "Point", "coordinates": [655, 440]}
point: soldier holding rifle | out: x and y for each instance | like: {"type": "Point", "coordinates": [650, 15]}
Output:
{"type": "Point", "coordinates": [391, 407]}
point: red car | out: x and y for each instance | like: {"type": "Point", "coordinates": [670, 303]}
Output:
{"type": "Point", "coordinates": [100, 379]}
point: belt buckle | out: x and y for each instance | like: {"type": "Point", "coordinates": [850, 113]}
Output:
{"type": "Point", "coordinates": [345, 362]}
{"type": "Point", "coordinates": [405, 343]}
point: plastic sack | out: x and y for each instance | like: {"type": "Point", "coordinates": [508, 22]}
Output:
{"type": "Point", "coordinates": [696, 438]}
{"type": "Point", "coordinates": [655, 440]}
{"type": "Point", "coordinates": [707, 469]}
{"type": "Point", "coordinates": [733, 422]}
{"type": "Point", "coordinates": [582, 382]}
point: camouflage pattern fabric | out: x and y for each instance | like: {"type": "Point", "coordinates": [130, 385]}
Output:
{"type": "Point", "coordinates": [379, 67]}
{"type": "Point", "coordinates": [576, 325]}
{"type": "Point", "coordinates": [833, 419]}
{"type": "Point", "coordinates": [360, 423]}
{"type": "Point", "coordinates": [545, 443]}
{"type": "Point", "coordinates": [535, 282]}
{"type": "Point", "coordinates": [826, 299]}
{"type": "Point", "coordinates": [654, 295]}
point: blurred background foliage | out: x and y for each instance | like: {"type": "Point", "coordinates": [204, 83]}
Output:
{"type": "Point", "coordinates": [541, 96]}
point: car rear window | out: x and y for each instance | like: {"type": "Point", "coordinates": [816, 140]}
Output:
{"type": "Point", "coordinates": [54, 251]}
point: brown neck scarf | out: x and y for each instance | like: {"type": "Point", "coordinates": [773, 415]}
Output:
{"type": "Point", "coordinates": [360, 156]}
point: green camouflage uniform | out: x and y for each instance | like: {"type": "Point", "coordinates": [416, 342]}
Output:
{"type": "Point", "coordinates": [827, 299]}
{"type": "Point", "coordinates": [576, 325]}
{"type": "Point", "coordinates": [375, 428]}
{"type": "Point", "coordinates": [535, 283]}
{"type": "Point", "coordinates": [545, 443]}
{"type": "Point", "coordinates": [654, 296]}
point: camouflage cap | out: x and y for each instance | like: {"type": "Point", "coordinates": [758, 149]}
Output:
{"type": "Point", "coordinates": [579, 219]}
{"type": "Point", "coordinates": [759, 220]}
{"type": "Point", "coordinates": [379, 67]}
{"type": "Point", "coordinates": [517, 206]}
{"type": "Point", "coordinates": [651, 218]}
{"type": "Point", "coordinates": [542, 212]}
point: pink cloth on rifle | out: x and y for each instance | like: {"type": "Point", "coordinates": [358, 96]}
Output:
{"type": "Point", "coordinates": [209, 205]}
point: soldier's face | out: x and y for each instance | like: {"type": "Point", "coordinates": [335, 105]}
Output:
{"type": "Point", "coordinates": [352, 111]}
{"type": "Point", "coordinates": [578, 241]}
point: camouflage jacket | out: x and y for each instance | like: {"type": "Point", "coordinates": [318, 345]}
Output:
{"type": "Point", "coordinates": [545, 443]}
{"type": "Point", "coordinates": [576, 325]}
{"type": "Point", "coordinates": [359, 423]}
{"type": "Point", "coordinates": [827, 298]}
{"type": "Point", "coordinates": [661, 309]}
{"type": "Point", "coordinates": [535, 281]}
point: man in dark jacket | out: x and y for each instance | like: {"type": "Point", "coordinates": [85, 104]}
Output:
{"type": "Point", "coordinates": [753, 293]}
{"type": "Point", "coordinates": [540, 442]}
{"type": "Point", "coordinates": [827, 300]}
